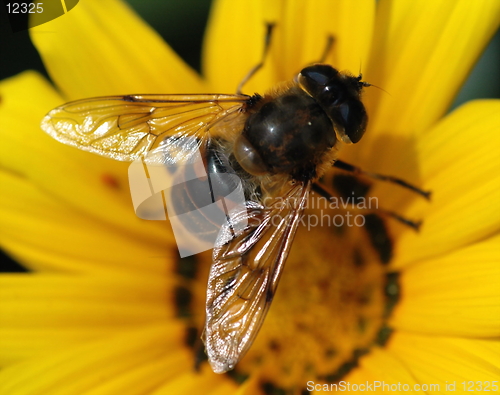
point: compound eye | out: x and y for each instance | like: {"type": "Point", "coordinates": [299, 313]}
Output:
{"type": "Point", "coordinates": [350, 120]}
{"type": "Point", "coordinates": [323, 83]}
{"type": "Point", "coordinates": [248, 157]}
{"type": "Point", "coordinates": [315, 79]}
{"type": "Point", "coordinates": [319, 74]}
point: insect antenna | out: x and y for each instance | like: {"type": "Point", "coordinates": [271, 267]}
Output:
{"type": "Point", "coordinates": [366, 84]}
{"type": "Point", "coordinates": [258, 66]}
{"type": "Point", "coordinates": [375, 86]}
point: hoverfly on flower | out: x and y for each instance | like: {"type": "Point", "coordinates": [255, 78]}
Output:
{"type": "Point", "coordinates": [279, 144]}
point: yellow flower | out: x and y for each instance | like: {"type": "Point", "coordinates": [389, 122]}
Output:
{"type": "Point", "coordinates": [109, 309]}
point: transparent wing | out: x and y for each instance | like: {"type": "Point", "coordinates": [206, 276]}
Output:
{"type": "Point", "coordinates": [127, 127]}
{"type": "Point", "coordinates": [245, 274]}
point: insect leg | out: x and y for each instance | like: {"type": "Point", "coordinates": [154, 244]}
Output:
{"type": "Point", "coordinates": [405, 221]}
{"type": "Point", "coordinates": [356, 170]}
{"type": "Point", "coordinates": [267, 43]}
{"type": "Point", "coordinates": [320, 190]}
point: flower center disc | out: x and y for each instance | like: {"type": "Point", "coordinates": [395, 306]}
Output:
{"type": "Point", "coordinates": [330, 306]}
{"type": "Point", "coordinates": [327, 311]}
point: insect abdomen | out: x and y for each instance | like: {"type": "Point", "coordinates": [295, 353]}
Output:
{"type": "Point", "coordinates": [202, 194]}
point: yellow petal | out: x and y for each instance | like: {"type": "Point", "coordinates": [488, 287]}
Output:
{"type": "Point", "coordinates": [441, 360]}
{"type": "Point", "coordinates": [379, 372]}
{"type": "Point", "coordinates": [45, 234]}
{"type": "Point", "coordinates": [146, 377]}
{"type": "Point", "coordinates": [91, 365]}
{"type": "Point", "coordinates": [18, 344]}
{"type": "Point", "coordinates": [42, 313]}
{"type": "Point", "coordinates": [306, 26]}
{"type": "Point", "coordinates": [460, 164]}
{"type": "Point", "coordinates": [190, 382]}
{"type": "Point", "coordinates": [299, 38]}
{"type": "Point", "coordinates": [95, 185]}
{"type": "Point", "coordinates": [226, 58]}
{"type": "Point", "coordinates": [422, 53]}
{"type": "Point", "coordinates": [455, 294]}
{"type": "Point", "coordinates": [104, 48]}
{"type": "Point", "coordinates": [383, 366]}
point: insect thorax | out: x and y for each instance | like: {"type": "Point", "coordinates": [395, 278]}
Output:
{"type": "Point", "coordinates": [291, 133]}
